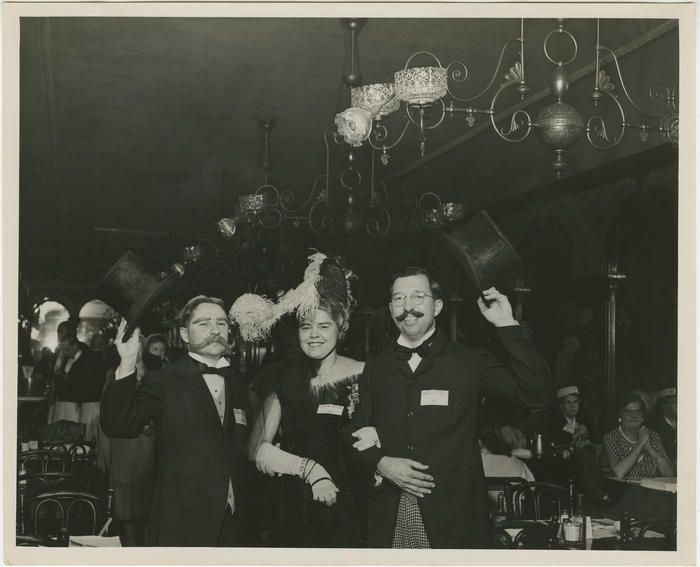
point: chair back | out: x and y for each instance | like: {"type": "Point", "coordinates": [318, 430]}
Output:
{"type": "Point", "coordinates": [80, 456]}
{"type": "Point", "coordinates": [37, 483]}
{"type": "Point", "coordinates": [538, 500]}
{"type": "Point", "coordinates": [80, 513]}
{"type": "Point", "coordinates": [496, 485]}
{"type": "Point", "coordinates": [42, 461]}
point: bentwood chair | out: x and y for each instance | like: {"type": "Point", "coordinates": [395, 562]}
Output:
{"type": "Point", "coordinates": [538, 500]}
{"type": "Point", "coordinates": [80, 513]}
{"type": "Point", "coordinates": [525, 534]}
{"type": "Point", "coordinates": [42, 461]}
{"type": "Point", "coordinates": [504, 485]}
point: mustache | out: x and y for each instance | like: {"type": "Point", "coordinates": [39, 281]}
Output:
{"type": "Point", "coordinates": [209, 340]}
{"type": "Point", "coordinates": [408, 312]}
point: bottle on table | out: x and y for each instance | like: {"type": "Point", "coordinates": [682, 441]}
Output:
{"type": "Point", "coordinates": [500, 515]}
{"type": "Point", "coordinates": [626, 531]}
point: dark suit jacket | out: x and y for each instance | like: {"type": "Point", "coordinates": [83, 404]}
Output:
{"type": "Point", "coordinates": [85, 379]}
{"type": "Point", "coordinates": [455, 515]}
{"type": "Point", "coordinates": [196, 455]}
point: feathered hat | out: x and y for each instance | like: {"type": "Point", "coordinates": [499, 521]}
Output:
{"type": "Point", "coordinates": [324, 280]}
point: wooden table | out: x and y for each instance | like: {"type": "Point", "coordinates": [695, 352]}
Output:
{"type": "Point", "coordinates": [644, 499]}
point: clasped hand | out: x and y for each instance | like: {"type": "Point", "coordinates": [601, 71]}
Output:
{"type": "Point", "coordinates": [366, 437]}
{"type": "Point", "coordinates": [407, 475]}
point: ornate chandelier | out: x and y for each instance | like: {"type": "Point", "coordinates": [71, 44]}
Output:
{"type": "Point", "coordinates": [559, 126]}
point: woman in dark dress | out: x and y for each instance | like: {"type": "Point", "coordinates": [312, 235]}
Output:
{"type": "Point", "coordinates": [315, 400]}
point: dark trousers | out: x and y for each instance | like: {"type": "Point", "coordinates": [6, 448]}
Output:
{"type": "Point", "coordinates": [232, 532]}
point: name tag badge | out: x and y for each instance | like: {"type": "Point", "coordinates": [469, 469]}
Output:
{"type": "Point", "coordinates": [434, 397]}
{"type": "Point", "coordinates": [239, 416]}
{"type": "Point", "coordinates": [330, 409]}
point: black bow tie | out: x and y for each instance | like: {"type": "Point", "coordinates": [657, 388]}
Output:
{"type": "Point", "coordinates": [422, 350]}
{"type": "Point", "coordinates": [225, 371]}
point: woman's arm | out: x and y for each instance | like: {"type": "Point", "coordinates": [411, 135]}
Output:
{"type": "Point", "coordinates": [621, 466]}
{"type": "Point", "coordinates": [655, 449]}
{"type": "Point", "coordinates": [266, 425]}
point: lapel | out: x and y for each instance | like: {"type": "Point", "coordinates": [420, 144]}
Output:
{"type": "Point", "coordinates": [439, 343]}
{"type": "Point", "coordinates": [196, 384]}
{"type": "Point", "coordinates": [229, 403]}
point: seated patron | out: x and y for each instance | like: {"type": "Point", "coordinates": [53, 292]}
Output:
{"type": "Point", "coordinates": [565, 429]}
{"type": "Point", "coordinates": [496, 445]}
{"type": "Point", "coordinates": [634, 451]}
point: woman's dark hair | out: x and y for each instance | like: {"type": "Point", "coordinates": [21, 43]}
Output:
{"type": "Point", "coordinates": [435, 288]}
{"type": "Point", "coordinates": [628, 399]}
{"type": "Point", "coordinates": [185, 315]}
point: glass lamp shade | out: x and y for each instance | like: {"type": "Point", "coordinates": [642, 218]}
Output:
{"type": "Point", "coordinates": [191, 253]}
{"type": "Point", "coordinates": [251, 203]}
{"type": "Point", "coordinates": [354, 125]}
{"type": "Point", "coordinates": [227, 227]}
{"type": "Point", "coordinates": [421, 85]}
{"type": "Point", "coordinates": [453, 212]}
{"type": "Point", "coordinates": [379, 98]}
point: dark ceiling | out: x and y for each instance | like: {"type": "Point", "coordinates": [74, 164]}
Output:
{"type": "Point", "coordinates": [151, 123]}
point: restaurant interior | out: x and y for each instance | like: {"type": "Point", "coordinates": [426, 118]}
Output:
{"type": "Point", "coordinates": [223, 151]}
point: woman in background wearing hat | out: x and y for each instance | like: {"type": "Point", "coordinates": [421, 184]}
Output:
{"type": "Point", "coordinates": [313, 403]}
{"type": "Point", "coordinates": [634, 451]}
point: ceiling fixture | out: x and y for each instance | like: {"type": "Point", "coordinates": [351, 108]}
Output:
{"type": "Point", "coordinates": [427, 95]}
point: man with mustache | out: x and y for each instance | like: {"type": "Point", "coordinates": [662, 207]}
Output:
{"type": "Point", "coordinates": [201, 412]}
{"type": "Point", "coordinates": [415, 431]}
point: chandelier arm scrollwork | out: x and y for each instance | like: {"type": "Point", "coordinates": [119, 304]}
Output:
{"type": "Point", "coordinates": [657, 92]}
{"type": "Point", "coordinates": [380, 133]}
{"type": "Point", "coordinates": [519, 119]}
{"type": "Point", "coordinates": [378, 224]}
{"type": "Point", "coordinates": [596, 125]}
{"type": "Point", "coordinates": [319, 222]}
{"type": "Point", "coordinates": [455, 74]}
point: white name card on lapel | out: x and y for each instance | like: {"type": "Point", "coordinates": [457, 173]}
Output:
{"type": "Point", "coordinates": [330, 409]}
{"type": "Point", "coordinates": [239, 416]}
{"type": "Point", "coordinates": [434, 397]}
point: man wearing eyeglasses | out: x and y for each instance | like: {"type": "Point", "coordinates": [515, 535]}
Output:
{"type": "Point", "coordinates": [415, 431]}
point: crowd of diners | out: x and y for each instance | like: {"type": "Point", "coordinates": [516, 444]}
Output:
{"type": "Point", "coordinates": [317, 449]}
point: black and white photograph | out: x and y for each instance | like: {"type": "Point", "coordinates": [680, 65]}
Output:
{"type": "Point", "coordinates": [384, 280]}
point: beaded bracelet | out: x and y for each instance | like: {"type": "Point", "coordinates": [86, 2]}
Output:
{"type": "Point", "coordinates": [302, 467]}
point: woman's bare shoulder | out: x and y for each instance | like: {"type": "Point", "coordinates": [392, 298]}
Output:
{"type": "Point", "coordinates": [351, 366]}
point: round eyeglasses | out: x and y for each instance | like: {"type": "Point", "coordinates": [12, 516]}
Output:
{"type": "Point", "coordinates": [417, 298]}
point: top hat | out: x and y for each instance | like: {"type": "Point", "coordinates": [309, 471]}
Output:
{"type": "Point", "coordinates": [481, 249]}
{"type": "Point", "coordinates": [130, 289]}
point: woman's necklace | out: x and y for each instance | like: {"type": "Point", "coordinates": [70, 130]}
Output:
{"type": "Point", "coordinates": [625, 436]}
{"type": "Point", "coordinates": [323, 377]}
